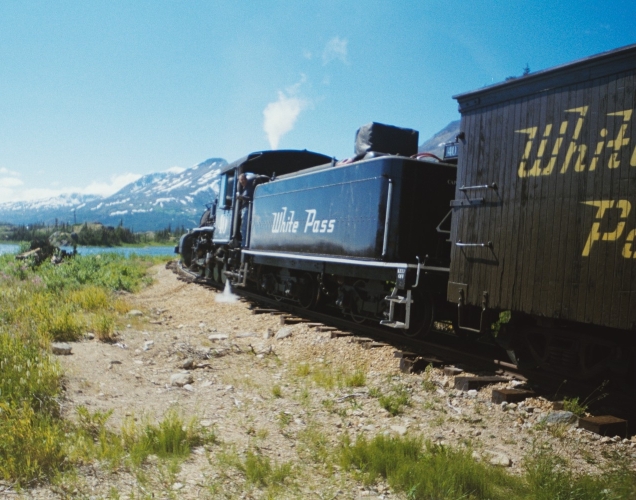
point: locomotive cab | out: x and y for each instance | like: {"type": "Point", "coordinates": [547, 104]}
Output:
{"type": "Point", "coordinates": [209, 249]}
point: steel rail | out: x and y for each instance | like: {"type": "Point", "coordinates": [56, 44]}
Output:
{"type": "Point", "coordinates": [442, 345]}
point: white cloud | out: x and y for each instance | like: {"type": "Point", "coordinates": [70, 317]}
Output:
{"type": "Point", "coordinates": [279, 117]}
{"type": "Point", "coordinates": [12, 189]}
{"type": "Point", "coordinates": [9, 182]}
{"type": "Point", "coordinates": [107, 188]}
{"type": "Point", "coordinates": [175, 170]}
{"type": "Point", "coordinates": [335, 50]}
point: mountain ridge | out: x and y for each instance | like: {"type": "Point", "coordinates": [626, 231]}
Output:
{"type": "Point", "coordinates": [151, 202]}
{"type": "Point", "coordinates": [154, 201]}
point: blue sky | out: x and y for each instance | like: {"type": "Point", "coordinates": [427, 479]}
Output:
{"type": "Point", "coordinates": [94, 94]}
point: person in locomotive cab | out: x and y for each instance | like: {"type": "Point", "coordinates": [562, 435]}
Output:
{"type": "Point", "coordinates": [245, 194]}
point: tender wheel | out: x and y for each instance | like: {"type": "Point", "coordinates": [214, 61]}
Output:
{"type": "Point", "coordinates": [422, 314]}
{"type": "Point", "coordinates": [358, 301]}
{"type": "Point", "coordinates": [308, 291]}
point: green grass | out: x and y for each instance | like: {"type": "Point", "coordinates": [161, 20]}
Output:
{"type": "Point", "coordinates": [422, 470]}
{"type": "Point", "coordinates": [260, 470]}
{"type": "Point", "coordinates": [32, 444]}
{"type": "Point", "coordinates": [171, 438]}
{"type": "Point", "coordinates": [328, 376]}
{"type": "Point", "coordinates": [277, 392]}
{"type": "Point", "coordinates": [394, 402]}
{"type": "Point", "coordinates": [48, 303]}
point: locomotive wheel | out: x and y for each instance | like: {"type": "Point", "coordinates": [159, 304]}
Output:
{"type": "Point", "coordinates": [308, 293]}
{"type": "Point", "coordinates": [187, 251]}
{"type": "Point", "coordinates": [222, 268]}
{"type": "Point", "coordinates": [216, 272]}
{"type": "Point", "coordinates": [358, 302]}
{"type": "Point", "coordinates": [422, 314]}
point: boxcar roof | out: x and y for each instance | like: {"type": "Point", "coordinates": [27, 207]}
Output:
{"type": "Point", "coordinates": [597, 66]}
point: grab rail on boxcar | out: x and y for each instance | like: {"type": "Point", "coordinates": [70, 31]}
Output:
{"type": "Point", "coordinates": [486, 245]}
{"type": "Point", "coordinates": [494, 186]}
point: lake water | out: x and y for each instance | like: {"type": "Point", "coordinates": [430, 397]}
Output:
{"type": "Point", "coordinates": [154, 251]}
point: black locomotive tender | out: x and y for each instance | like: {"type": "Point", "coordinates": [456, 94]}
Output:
{"type": "Point", "coordinates": [363, 236]}
{"type": "Point", "coordinates": [542, 237]}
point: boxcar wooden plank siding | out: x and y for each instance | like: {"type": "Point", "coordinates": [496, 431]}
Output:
{"type": "Point", "coordinates": [570, 284]}
{"type": "Point", "coordinates": [498, 175]}
{"type": "Point", "coordinates": [596, 112]}
{"type": "Point", "coordinates": [506, 188]}
{"type": "Point", "coordinates": [539, 205]}
{"type": "Point", "coordinates": [559, 229]}
{"type": "Point", "coordinates": [611, 190]}
{"type": "Point", "coordinates": [561, 145]}
{"type": "Point", "coordinates": [627, 88]}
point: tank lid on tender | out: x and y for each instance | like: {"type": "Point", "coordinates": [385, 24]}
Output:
{"type": "Point", "coordinates": [596, 66]}
{"type": "Point", "coordinates": [284, 161]}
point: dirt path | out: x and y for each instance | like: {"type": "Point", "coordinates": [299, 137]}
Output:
{"type": "Point", "coordinates": [288, 399]}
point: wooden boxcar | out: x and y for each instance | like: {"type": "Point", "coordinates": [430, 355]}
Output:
{"type": "Point", "coordinates": [544, 216]}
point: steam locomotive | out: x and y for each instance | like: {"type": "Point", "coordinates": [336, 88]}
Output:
{"type": "Point", "coordinates": [366, 237]}
{"type": "Point", "coordinates": [528, 226]}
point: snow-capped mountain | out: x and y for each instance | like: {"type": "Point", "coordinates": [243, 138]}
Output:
{"type": "Point", "coordinates": [153, 201]}
{"type": "Point", "coordinates": [150, 203]}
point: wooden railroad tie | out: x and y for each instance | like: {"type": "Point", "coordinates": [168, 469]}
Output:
{"type": "Point", "coordinates": [290, 320]}
{"type": "Point", "coordinates": [405, 354]}
{"type": "Point", "coordinates": [361, 340]}
{"type": "Point", "coordinates": [605, 425]}
{"type": "Point", "coordinates": [337, 333]}
{"type": "Point", "coordinates": [373, 345]}
{"type": "Point", "coordinates": [260, 310]}
{"type": "Point", "coordinates": [428, 358]}
{"type": "Point", "coordinates": [510, 395]}
{"type": "Point", "coordinates": [324, 328]}
{"type": "Point", "coordinates": [469, 383]}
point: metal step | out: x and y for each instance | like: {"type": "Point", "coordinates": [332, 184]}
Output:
{"type": "Point", "coordinates": [396, 299]}
{"type": "Point", "coordinates": [393, 324]}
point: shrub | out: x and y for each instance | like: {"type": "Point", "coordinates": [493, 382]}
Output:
{"type": "Point", "coordinates": [32, 443]}
{"type": "Point", "coordinates": [28, 375]}
{"type": "Point", "coordinates": [56, 303]}
{"type": "Point", "coordinates": [104, 327]}
{"type": "Point", "coordinates": [395, 403]}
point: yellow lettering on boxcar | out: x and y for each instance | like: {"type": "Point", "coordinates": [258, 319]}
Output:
{"type": "Point", "coordinates": [620, 140]}
{"type": "Point", "coordinates": [595, 233]}
{"type": "Point", "coordinates": [555, 150]}
{"type": "Point", "coordinates": [628, 253]}
{"type": "Point", "coordinates": [574, 148]}
{"type": "Point", "coordinates": [531, 132]}
{"type": "Point", "coordinates": [576, 152]}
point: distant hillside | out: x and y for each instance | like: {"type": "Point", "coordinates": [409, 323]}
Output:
{"type": "Point", "coordinates": [153, 201]}
{"type": "Point", "coordinates": [148, 204]}
{"type": "Point", "coordinates": [435, 144]}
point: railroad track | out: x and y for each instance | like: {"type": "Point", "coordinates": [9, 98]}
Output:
{"type": "Point", "coordinates": [439, 348]}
